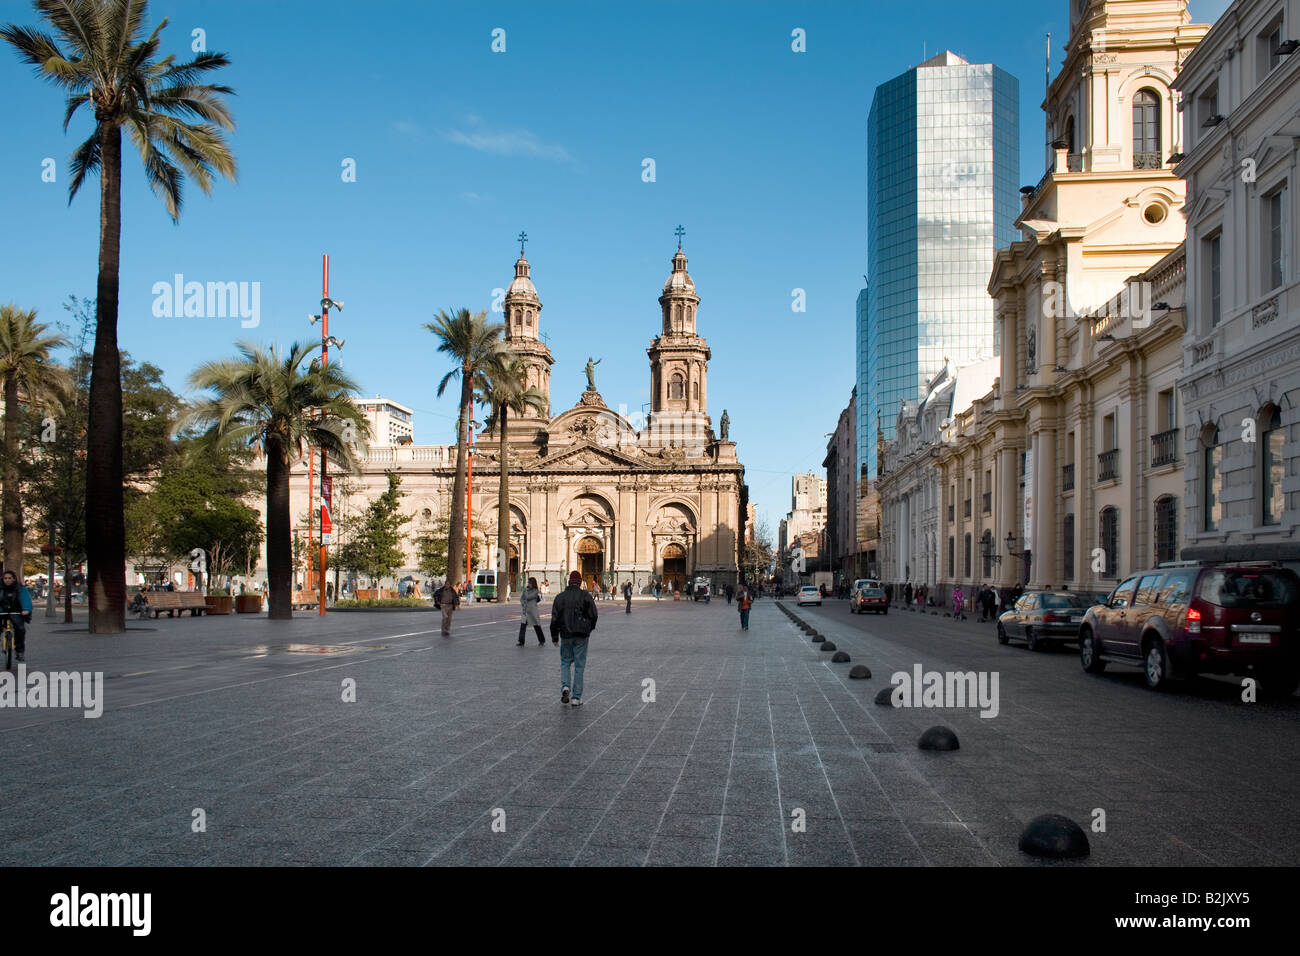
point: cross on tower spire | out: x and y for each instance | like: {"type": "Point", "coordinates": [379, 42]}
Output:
{"type": "Point", "coordinates": [679, 232]}
{"type": "Point", "coordinates": [523, 237]}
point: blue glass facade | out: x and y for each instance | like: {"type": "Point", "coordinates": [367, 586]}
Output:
{"type": "Point", "coordinates": [942, 194]}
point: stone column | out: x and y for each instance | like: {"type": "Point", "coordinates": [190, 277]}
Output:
{"type": "Point", "coordinates": [1046, 497]}
{"type": "Point", "coordinates": [1007, 498]}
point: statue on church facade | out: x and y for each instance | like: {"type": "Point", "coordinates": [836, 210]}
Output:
{"type": "Point", "coordinates": [591, 373]}
{"type": "Point", "coordinates": [725, 425]}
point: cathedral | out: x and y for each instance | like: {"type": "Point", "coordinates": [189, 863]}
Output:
{"type": "Point", "coordinates": [592, 490]}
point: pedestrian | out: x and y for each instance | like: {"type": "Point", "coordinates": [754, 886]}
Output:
{"type": "Point", "coordinates": [446, 599]}
{"type": "Point", "coordinates": [528, 602]}
{"type": "Point", "coordinates": [573, 618]}
{"type": "Point", "coordinates": [907, 592]}
{"type": "Point", "coordinates": [658, 591]}
{"type": "Point", "coordinates": [743, 602]}
{"type": "Point", "coordinates": [958, 599]}
{"type": "Point", "coordinates": [627, 595]}
{"type": "Point", "coordinates": [708, 593]}
{"type": "Point", "coordinates": [16, 601]}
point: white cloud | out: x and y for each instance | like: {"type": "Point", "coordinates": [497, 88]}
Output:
{"type": "Point", "coordinates": [513, 142]}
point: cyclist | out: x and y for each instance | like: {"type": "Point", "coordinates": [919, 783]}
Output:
{"type": "Point", "coordinates": [15, 598]}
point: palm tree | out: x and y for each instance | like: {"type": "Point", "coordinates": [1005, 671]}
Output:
{"type": "Point", "coordinates": [474, 343]}
{"type": "Point", "coordinates": [30, 379]}
{"type": "Point", "coordinates": [99, 54]}
{"type": "Point", "coordinates": [265, 399]}
{"type": "Point", "coordinates": [505, 391]}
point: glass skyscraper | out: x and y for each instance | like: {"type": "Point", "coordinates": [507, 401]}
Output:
{"type": "Point", "coordinates": [943, 174]}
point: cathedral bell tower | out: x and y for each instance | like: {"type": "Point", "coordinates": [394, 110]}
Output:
{"type": "Point", "coordinates": [523, 311]}
{"type": "Point", "coordinates": [679, 358]}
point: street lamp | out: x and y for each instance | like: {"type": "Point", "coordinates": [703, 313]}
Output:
{"type": "Point", "coordinates": [469, 505]}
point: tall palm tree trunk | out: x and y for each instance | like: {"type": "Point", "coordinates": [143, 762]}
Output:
{"type": "Point", "coordinates": [13, 512]}
{"type": "Point", "coordinates": [456, 530]}
{"type": "Point", "coordinates": [503, 511]}
{"type": "Point", "coordinates": [279, 551]}
{"type": "Point", "coordinates": [105, 523]}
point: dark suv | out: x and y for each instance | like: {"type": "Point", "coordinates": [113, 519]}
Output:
{"type": "Point", "coordinates": [1176, 622]}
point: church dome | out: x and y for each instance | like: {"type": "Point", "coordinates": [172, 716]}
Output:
{"type": "Point", "coordinates": [522, 285]}
{"type": "Point", "coordinates": [680, 279]}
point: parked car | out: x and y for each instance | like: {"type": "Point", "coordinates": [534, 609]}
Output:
{"type": "Point", "coordinates": [809, 594]}
{"type": "Point", "coordinates": [869, 599]}
{"type": "Point", "coordinates": [1176, 622]}
{"type": "Point", "coordinates": [1039, 617]}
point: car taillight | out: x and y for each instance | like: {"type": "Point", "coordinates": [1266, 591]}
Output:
{"type": "Point", "coordinates": [1193, 621]}
{"type": "Point", "coordinates": [1049, 618]}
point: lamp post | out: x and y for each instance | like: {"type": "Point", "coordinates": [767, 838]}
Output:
{"type": "Point", "coordinates": [326, 488]}
{"type": "Point", "coordinates": [469, 506]}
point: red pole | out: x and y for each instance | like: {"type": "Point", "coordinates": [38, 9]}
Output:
{"type": "Point", "coordinates": [469, 503]}
{"type": "Point", "coordinates": [324, 360]}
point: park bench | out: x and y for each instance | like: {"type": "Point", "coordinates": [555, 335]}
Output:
{"type": "Point", "coordinates": [304, 599]}
{"type": "Point", "coordinates": [173, 602]}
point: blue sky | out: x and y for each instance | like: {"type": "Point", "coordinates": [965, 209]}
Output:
{"type": "Point", "coordinates": [759, 152]}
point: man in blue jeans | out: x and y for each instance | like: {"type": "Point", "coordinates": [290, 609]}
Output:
{"type": "Point", "coordinates": [573, 618]}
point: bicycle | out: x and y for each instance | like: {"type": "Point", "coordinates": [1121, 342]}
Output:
{"type": "Point", "coordinates": [7, 638]}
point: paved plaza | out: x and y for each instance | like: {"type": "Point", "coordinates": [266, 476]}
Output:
{"type": "Point", "coordinates": [698, 744]}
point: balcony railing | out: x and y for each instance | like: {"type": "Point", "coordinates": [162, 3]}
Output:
{"type": "Point", "coordinates": [1147, 161]}
{"type": "Point", "coordinates": [988, 502]}
{"type": "Point", "coordinates": [1164, 448]}
{"type": "Point", "coordinates": [1067, 477]}
{"type": "Point", "coordinates": [966, 509]}
{"type": "Point", "coordinates": [1108, 465]}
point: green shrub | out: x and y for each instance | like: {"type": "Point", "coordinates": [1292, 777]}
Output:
{"type": "Point", "coordinates": [218, 592]}
{"type": "Point", "coordinates": [384, 602]}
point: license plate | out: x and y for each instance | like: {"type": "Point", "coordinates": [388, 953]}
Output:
{"type": "Point", "coordinates": [1254, 637]}
{"type": "Point", "coordinates": [1075, 620]}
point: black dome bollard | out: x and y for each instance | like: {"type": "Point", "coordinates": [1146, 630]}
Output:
{"type": "Point", "coordinates": [1055, 837]}
{"type": "Point", "coordinates": [828, 645]}
{"type": "Point", "coordinates": [840, 657]}
{"type": "Point", "coordinates": [817, 638]}
{"type": "Point", "coordinates": [885, 696]}
{"type": "Point", "coordinates": [861, 672]}
{"type": "Point", "coordinates": [938, 738]}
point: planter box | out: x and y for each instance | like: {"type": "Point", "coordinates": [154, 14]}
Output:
{"type": "Point", "coordinates": [364, 594]}
{"type": "Point", "coordinates": [248, 604]}
{"type": "Point", "coordinates": [219, 604]}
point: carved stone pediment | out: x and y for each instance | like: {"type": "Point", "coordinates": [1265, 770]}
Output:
{"type": "Point", "coordinates": [588, 455]}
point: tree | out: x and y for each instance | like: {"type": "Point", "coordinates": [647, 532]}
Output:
{"type": "Point", "coordinates": [431, 547]}
{"type": "Point", "coordinates": [100, 56]}
{"type": "Point", "coordinates": [200, 504]}
{"type": "Point", "coordinates": [505, 391]}
{"type": "Point", "coordinates": [474, 343]}
{"type": "Point", "coordinates": [266, 400]}
{"type": "Point", "coordinates": [375, 547]}
{"type": "Point", "coordinates": [30, 381]}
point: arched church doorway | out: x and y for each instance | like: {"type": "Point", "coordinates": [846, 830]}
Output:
{"type": "Point", "coordinates": [513, 562]}
{"type": "Point", "coordinates": [591, 561]}
{"type": "Point", "coordinates": [674, 557]}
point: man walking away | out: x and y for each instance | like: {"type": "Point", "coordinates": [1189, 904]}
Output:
{"type": "Point", "coordinates": [627, 595]}
{"type": "Point", "coordinates": [573, 618]}
{"type": "Point", "coordinates": [447, 599]}
{"type": "Point", "coordinates": [907, 592]}
{"type": "Point", "coordinates": [743, 601]}
{"type": "Point", "coordinates": [16, 601]}
{"type": "Point", "coordinates": [528, 602]}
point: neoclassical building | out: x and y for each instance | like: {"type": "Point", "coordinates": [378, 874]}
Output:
{"type": "Point", "coordinates": [1241, 358]}
{"type": "Point", "coordinates": [590, 490]}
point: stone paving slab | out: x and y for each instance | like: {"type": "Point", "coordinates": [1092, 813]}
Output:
{"type": "Point", "coordinates": [754, 751]}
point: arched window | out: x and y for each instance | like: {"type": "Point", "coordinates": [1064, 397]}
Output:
{"type": "Point", "coordinates": [677, 386]}
{"type": "Point", "coordinates": [528, 318]}
{"type": "Point", "coordinates": [966, 562]}
{"type": "Point", "coordinates": [1166, 529]}
{"type": "Point", "coordinates": [952, 556]}
{"type": "Point", "coordinates": [1272, 469]}
{"type": "Point", "coordinates": [677, 314]}
{"type": "Point", "coordinates": [987, 550]}
{"type": "Point", "coordinates": [1146, 130]}
{"type": "Point", "coordinates": [1109, 539]}
{"type": "Point", "coordinates": [1069, 134]}
{"type": "Point", "coordinates": [695, 391]}
{"type": "Point", "coordinates": [1211, 482]}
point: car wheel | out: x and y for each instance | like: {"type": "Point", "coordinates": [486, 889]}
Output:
{"type": "Point", "coordinates": [1088, 656]}
{"type": "Point", "coordinates": [1156, 665]}
{"type": "Point", "coordinates": [1031, 641]}
{"type": "Point", "coordinates": [885, 611]}
{"type": "Point", "coordinates": [1278, 685]}
{"type": "Point", "coordinates": [1002, 635]}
